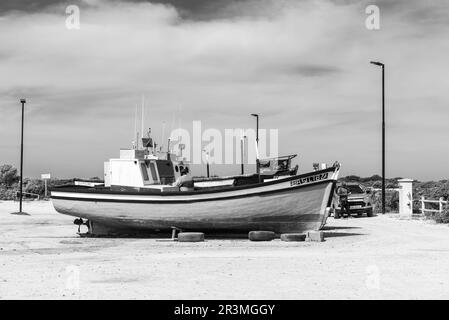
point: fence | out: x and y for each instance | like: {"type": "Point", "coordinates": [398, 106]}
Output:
{"type": "Point", "coordinates": [440, 203]}
{"type": "Point", "coordinates": [25, 194]}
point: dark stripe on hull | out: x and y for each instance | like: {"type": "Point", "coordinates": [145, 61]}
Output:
{"type": "Point", "coordinates": [143, 191]}
{"type": "Point", "coordinates": [296, 209]}
{"type": "Point", "coordinates": [177, 201]}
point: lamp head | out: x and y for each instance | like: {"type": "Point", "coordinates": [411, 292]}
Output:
{"type": "Point", "coordinates": [377, 63]}
{"type": "Point", "coordinates": [254, 114]}
{"type": "Point", "coordinates": [23, 100]}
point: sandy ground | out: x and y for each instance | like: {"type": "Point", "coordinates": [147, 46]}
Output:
{"type": "Point", "coordinates": [41, 257]}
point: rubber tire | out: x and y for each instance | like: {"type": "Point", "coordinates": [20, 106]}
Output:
{"type": "Point", "coordinates": [369, 213]}
{"type": "Point", "coordinates": [190, 237]}
{"type": "Point", "coordinates": [261, 235]}
{"type": "Point", "coordinates": [293, 237]}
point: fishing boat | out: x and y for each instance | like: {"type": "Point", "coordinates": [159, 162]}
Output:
{"type": "Point", "coordinates": [141, 194]}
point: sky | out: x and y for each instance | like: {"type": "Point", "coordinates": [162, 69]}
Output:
{"type": "Point", "coordinates": [302, 65]}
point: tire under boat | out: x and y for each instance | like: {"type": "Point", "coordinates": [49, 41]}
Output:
{"type": "Point", "coordinates": [295, 204]}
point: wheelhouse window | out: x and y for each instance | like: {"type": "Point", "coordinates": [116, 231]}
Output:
{"type": "Point", "coordinates": [153, 172]}
{"type": "Point", "coordinates": [144, 169]}
{"type": "Point", "coordinates": [166, 171]}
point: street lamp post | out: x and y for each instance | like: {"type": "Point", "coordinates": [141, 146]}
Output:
{"type": "Point", "coordinates": [257, 144]}
{"type": "Point", "coordinates": [383, 132]}
{"type": "Point", "coordinates": [242, 141]}
{"type": "Point", "coordinates": [168, 149]}
{"type": "Point", "coordinates": [22, 101]}
{"type": "Point", "coordinates": [207, 163]}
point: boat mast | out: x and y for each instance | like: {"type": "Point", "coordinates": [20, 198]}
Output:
{"type": "Point", "coordinates": [135, 134]}
{"type": "Point", "coordinates": [143, 110]}
{"type": "Point", "coordinates": [242, 150]}
{"type": "Point", "coordinates": [163, 136]}
{"type": "Point", "coordinates": [168, 149]}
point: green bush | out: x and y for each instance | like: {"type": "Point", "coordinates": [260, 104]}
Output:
{"type": "Point", "coordinates": [8, 193]}
{"type": "Point", "coordinates": [9, 183]}
{"type": "Point", "coordinates": [35, 186]}
{"type": "Point", "coordinates": [8, 175]}
{"type": "Point", "coordinates": [442, 217]}
{"type": "Point", "coordinates": [391, 201]}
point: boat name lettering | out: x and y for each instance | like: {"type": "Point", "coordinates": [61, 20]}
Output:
{"type": "Point", "coordinates": [309, 179]}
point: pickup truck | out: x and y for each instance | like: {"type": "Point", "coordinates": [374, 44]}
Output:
{"type": "Point", "coordinates": [359, 198]}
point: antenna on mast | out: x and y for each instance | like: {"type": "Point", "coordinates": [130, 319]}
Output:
{"type": "Point", "coordinates": [171, 130]}
{"type": "Point", "coordinates": [179, 116]}
{"type": "Point", "coordinates": [172, 124]}
{"type": "Point", "coordinates": [143, 111]}
{"type": "Point", "coordinates": [163, 135]}
{"type": "Point", "coordinates": [168, 149]}
{"type": "Point", "coordinates": [136, 143]}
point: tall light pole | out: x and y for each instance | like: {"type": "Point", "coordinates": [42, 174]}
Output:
{"type": "Point", "coordinates": [207, 163]}
{"type": "Point", "coordinates": [242, 141]}
{"type": "Point", "coordinates": [168, 149]}
{"type": "Point", "coordinates": [380, 64]}
{"type": "Point", "coordinates": [22, 101]}
{"type": "Point", "coordinates": [257, 144]}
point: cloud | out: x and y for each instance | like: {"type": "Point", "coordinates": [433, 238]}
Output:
{"type": "Point", "coordinates": [303, 65]}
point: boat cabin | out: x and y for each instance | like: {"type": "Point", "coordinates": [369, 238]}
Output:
{"type": "Point", "coordinates": [279, 166]}
{"type": "Point", "coordinates": [140, 169]}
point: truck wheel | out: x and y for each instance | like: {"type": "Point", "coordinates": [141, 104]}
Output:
{"type": "Point", "coordinates": [261, 235]}
{"type": "Point", "coordinates": [293, 237]}
{"type": "Point", "coordinates": [369, 213]}
{"type": "Point", "coordinates": [190, 237]}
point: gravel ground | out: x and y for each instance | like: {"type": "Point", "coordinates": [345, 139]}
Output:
{"type": "Point", "coordinates": [41, 257]}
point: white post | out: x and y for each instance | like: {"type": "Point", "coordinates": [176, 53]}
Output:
{"type": "Point", "coordinates": [441, 205]}
{"type": "Point", "coordinates": [405, 197]}
{"type": "Point", "coordinates": [45, 177]}
{"type": "Point", "coordinates": [423, 205]}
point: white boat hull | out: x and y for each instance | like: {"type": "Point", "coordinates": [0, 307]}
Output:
{"type": "Point", "coordinates": [296, 204]}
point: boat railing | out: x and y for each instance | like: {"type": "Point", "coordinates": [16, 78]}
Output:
{"type": "Point", "coordinates": [205, 179]}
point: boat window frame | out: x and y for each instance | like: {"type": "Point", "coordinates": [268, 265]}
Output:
{"type": "Point", "coordinates": [144, 170]}
{"type": "Point", "coordinates": [166, 171]}
{"type": "Point", "coordinates": [153, 171]}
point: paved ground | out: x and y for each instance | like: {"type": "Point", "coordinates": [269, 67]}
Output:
{"type": "Point", "coordinates": [362, 258]}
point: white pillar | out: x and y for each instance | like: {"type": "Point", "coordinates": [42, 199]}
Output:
{"type": "Point", "coordinates": [405, 197]}
{"type": "Point", "coordinates": [423, 205]}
